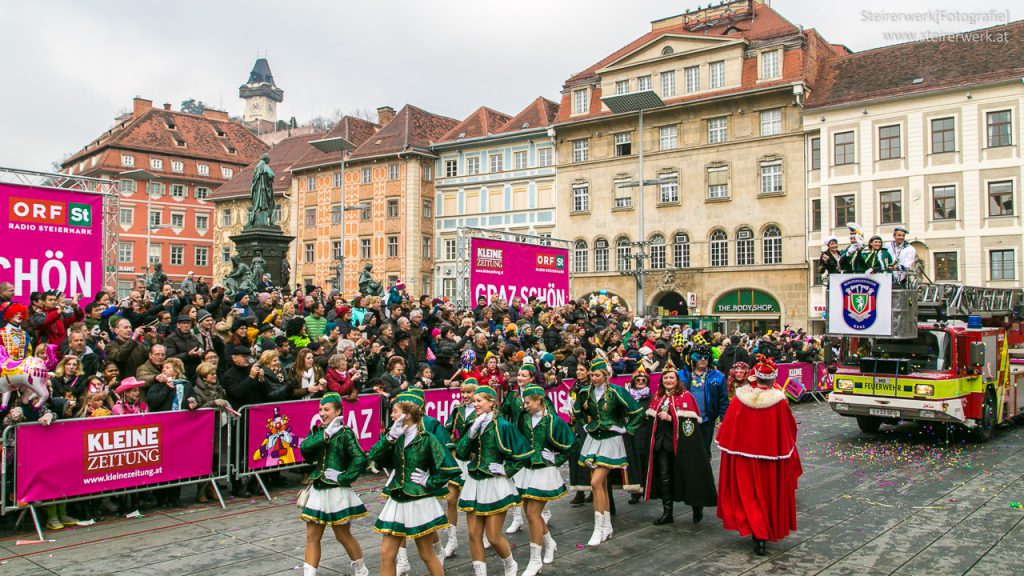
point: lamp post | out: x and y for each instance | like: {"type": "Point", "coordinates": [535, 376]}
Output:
{"type": "Point", "coordinates": [638, 102]}
{"type": "Point", "coordinates": [336, 145]}
{"type": "Point", "coordinates": [147, 177]}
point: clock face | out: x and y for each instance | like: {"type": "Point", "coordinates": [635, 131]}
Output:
{"type": "Point", "coordinates": [270, 106]}
{"type": "Point", "coordinates": [255, 105]}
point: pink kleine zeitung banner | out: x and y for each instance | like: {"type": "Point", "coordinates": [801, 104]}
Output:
{"type": "Point", "coordinates": [525, 270]}
{"type": "Point", "coordinates": [52, 240]}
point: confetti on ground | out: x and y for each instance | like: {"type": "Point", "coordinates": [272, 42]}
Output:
{"type": "Point", "coordinates": [1016, 505]}
{"type": "Point", "coordinates": [135, 514]}
{"type": "Point", "coordinates": [888, 454]}
{"type": "Point", "coordinates": [89, 522]}
{"type": "Point", "coordinates": [24, 542]}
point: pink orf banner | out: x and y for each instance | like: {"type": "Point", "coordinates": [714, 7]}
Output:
{"type": "Point", "coordinates": [276, 430]}
{"type": "Point", "coordinates": [510, 269]}
{"type": "Point", "coordinates": [52, 240]}
{"type": "Point", "coordinates": [89, 455]}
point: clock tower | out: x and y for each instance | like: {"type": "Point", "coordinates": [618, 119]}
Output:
{"type": "Point", "coordinates": [261, 97]}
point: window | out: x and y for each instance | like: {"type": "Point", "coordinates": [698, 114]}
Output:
{"type": "Point", "coordinates": [472, 165]}
{"type": "Point", "coordinates": [844, 148]}
{"type": "Point", "coordinates": [544, 157]}
{"type": "Point", "coordinates": [227, 173]}
{"type": "Point", "coordinates": [310, 216]}
{"type": "Point", "coordinates": [744, 247]}
{"type": "Point", "coordinates": [427, 248]}
{"type": "Point", "coordinates": [643, 83]}
{"type": "Point", "coordinates": [943, 135]}
{"type": "Point", "coordinates": [944, 203]}
{"type": "Point", "coordinates": [771, 177]}
{"type": "Point", "coordinates": [668, 137]}
{"type": "Point", "coordinates": [451, 168]}
{"type": "Point", "coordinates": [579, 101]}
{"type": "Point", "coordinates": [428, 209]}
{"type": "Point", "coordinates": [999, 126]}
{"type": "Point", "coordinates": [771, 247]}
{"type": "Point", "coordinates": [177, 255]}
{"type": "Point", "coordinates": [365, 212]}
{"type": "Point", "coordinates": [448, 288]}
{"type": "Point", "coordinates": [225, 217]}
{"type": "Point", "coordinates": [718, 130]}
{"type": "Point", "coordinates": [691, 78]}
{"type": "Point", "coordinates": [815, 153]}
{"type": "Point", "coordinates": [581, 198]}
{"type": "Point", "coordinates": [668, 84]}
{"type": "Point", "coordinates": [203, 169]}
{"type": "Point", "coordinates": [623, 253]}
{"type": "Point", "coordinates": [816, 215]}
{"type": "Point", "coordinates": [1000, 198]}
{"type": "Point", "coordinates": [718, 182]}
{"type": "Point", "coordinates": [846, 210]}
{"type": "Point", "coordinates": [309, 251]}
{"type": "Point", "coordinates": [428, 173]}
{"type": "Point", "coordinates": [178, 191]}
{"type": "Point", "coordinates": [889, 142]}
{"type": "Point", "coordinates": [155, 253]}
{"type": "Point", "coordinates": [336, 179]}
{"type": "Point", "coordinates": [156, 164]}
{"type": "Point", "coordinates": [126, 215]}
{"type": "Point", "coordinates": [202, 256]}
{"type": "Point", "coordinates": [393, 171]}
{"type": "Point", "coordinates": [1001, 265]}
{"type": "Point", "coordinates": [716, 73]}
{"type": "Point", "coordinates": [891, 206]}
{"type": "Point", "coordinates": [519, 160]}
{"type": "Point", "coordinates": [668, 192]}
{"type": "Point", "coordinates": [310, 183]}
{"type": "Point", "coordinates": [600, 255]}
{"type": "Point", "coordinates": [947, 266]}
{"type": "Point", "coordinates": [177, 166]}
{"type": "Point", "coordinates": [496, 163]}
{"type": "Point", "coordinates": [392, 207]}
{"type": "Point", "coordinates": [622, 87]}
{"type": "Point", "coordinates": [125, 252]}
{"type": "Point", "coordinates": [657, 252]}
{"type": "Point", "coordinates": [225, 254]}
{"type": "Point", "coordinates": [336, 250]}
{"type": "Point", "coordinates": [364, 248]}
{"type": "Point", "coordinates": [127, 186]}
{"type": "Point", "coordinates": [202, 193]}
{"type": "Point", "coordinates": [177, 220]}
{"type": "Point", "coordinates": [770, 65]}
{"type": "Point", "coordinates": [579, 263]}
{"type": "Point", "coordinates": [155, 189]}
{"type": "Point", "coordinates": [336, 214]}
{"type": "Point", "coordinates": [771, 122]}
{"type": "Point", "coordinates": [623, 194]}
{"type": "Point", "coordinates": [719, 248]}
{"type": "Point", "coordinates": [155, 217]}
{"type": "Point", "coordinates": [366, 175]}
{"type": "Point", "coordinates": [580, 150]}
{"type": "Point", "coordinates": [392, 247]}
{"type": "Point", "coordinates": [450, 252]}
{"type": "Point", "coordinates": [202, 222]}
{"type": "Point", "coordinates": [681, 250]}
{"type": "Point", "coordinates": [623, 144]}
{"type": "Point", "coordinates": [127, 160]}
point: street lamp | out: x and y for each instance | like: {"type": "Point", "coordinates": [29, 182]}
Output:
{"type": "Point", "coordinates": [639, 102]}
{"type": "Point", "coordinates": [337, 145]}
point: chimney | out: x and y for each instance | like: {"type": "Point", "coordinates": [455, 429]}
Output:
{"type": "Point", "coordinates": [385, 114]}
{"type": "Point", "coordinates": [167, 106]}
{"type": "Point", "coordinates": [213, 114]}
{"type": "Point", "coordinates": [140, 106]}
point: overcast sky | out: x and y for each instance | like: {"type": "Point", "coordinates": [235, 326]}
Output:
{"type": "Point", "coordinates": [71, 66]}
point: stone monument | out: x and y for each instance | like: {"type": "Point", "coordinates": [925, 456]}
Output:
{"type": "Point", "coordinates": [261, 241]}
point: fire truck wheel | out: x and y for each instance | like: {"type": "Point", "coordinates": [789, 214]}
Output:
{"type": "Point", "coordinates": [869, 424]}
{"type": "Point", "coordinates": [986, 427]}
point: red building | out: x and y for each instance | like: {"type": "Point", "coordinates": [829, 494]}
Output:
{"type": "Point", "coordinates": [167, 163]}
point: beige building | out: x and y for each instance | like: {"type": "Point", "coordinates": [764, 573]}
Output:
{"type": "Point", "coordinates": [932, 145]}
{"type": "Point", "coordinates": [723, 219]}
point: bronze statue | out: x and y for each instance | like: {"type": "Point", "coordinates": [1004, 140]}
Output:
{"type": "Point", "coordinates": [262, 193]}
{"type": "Point", "coordinates": [367, 285]}
{"type": "Point", "coordinates": [157, 279]}
{"type": "Point", "coordinates": [286, 273]}
{"type": "Point", "coordinates": [239, 279]}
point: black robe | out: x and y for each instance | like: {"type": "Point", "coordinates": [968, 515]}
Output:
{"type": "Point", "coordinates": [693, 482]}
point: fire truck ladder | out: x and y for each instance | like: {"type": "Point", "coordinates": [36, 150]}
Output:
{"type": "Point", "coordinates": [960, 301]}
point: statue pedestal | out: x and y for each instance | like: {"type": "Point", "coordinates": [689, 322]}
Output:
{"type": "Point", "coordinates": [269, 243]}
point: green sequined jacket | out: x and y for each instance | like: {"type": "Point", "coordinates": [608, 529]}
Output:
{"type": "Point", "coordinates": [615, 408]}
{"type": "Point", "coordinates": [339, 452]}
{"type": "Point", "coordinates": [500, 442]}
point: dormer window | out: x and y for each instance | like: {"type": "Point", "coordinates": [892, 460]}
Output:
{"type": "Point", "coordinates": [230, 150]}
{"type": "Point", "coordinates": [771, 67]}
{"type": "Point", "coordinates": [179, 142]}
{"type": "Point", "coordinates": [219, 131]}
{"type": "Point", "coordinates": [170, 124]}
{"type": "Point", "coordinates": [580, 101]}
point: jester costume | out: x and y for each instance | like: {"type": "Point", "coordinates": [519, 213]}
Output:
{"type": "Point", "coordinates": [338, 461]}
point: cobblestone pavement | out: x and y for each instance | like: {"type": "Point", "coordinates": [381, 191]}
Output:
{"type": "Point", "coordinates": [901, 502]}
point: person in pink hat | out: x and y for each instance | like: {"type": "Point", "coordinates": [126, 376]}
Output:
{"type": "Point", "coordinates": [129, 402]}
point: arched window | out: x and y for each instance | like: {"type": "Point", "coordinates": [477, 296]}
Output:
{"type": "Point", "coordinates": [657, 252]}
{"type": "Point", "coordinates": [719, 248]}
{"type": "Point", "coordinates": [744, 247]}
{"type": "Point", "coordinates": [580, 256]}
{"type": "Point", "coordinates": [772, 247]}
{"type": "Point", "coordinates": [623, 253]}
{"type": "Point", "coordinates": [600, 255]}
{"type": "Point", "coordinates": [666, 50]}
{"type": "Point", "coordinates": [681, 250]}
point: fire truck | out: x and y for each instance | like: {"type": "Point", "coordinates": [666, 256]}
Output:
{"type": "Point", "coordinates": [951, 357]}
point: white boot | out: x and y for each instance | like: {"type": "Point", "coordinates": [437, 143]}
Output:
{"type": "Point", "coordinates": [517, 521]}
{"type": "Point", "coordinates": [549, 548]}
{"type": "Point", "coordinates": [402, 562]}
{"type": "Point", "coordinates": [308, 570]}
{"type": "Point", "coordinates": [439, 551]}
{"type": "Point", "coordinates": [533, 568]}
{"type": "Point", "coordinates": [511, 568]}
{"type": "Point", "coordinates": [546, 516]}
{"type": "Point", "coordinates": [608, 525]}
{"type": "Point", "coordinates": [487, 543]}
{"type": "Point", "coordinates": [479, 568]}
{"type": "Point", "coordinates": [453, 542]}
{"type": "Point", "coordinates": [598, 536]}
{"type": "Point", "coordinates": [359, 568]}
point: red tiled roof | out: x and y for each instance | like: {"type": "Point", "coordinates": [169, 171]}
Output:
{"type": "Point", "coordinates": [282, 156]}
{"type": "Point", "coordinates": [481, 122]}
{"type": "Point", "coordinates": [355, 130]}
{"type": "Point", "coordinates": [541, 112]}
{"type": "Point", "coordinates": [411, 129]}
{"type": "Point", "coordinates": [148, 132]}
{"type": "Point", "coordinates": [891, 70]}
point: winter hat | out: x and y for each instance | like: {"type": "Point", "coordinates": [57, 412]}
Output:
{"type": "Point", "coordinates": [203, 314]}
{"type": "Point", "coordinates": [435, 333]}
{"type": "Point", "coordinates": [343, 310]}
{"type": "Point", "coordinates": [263, 297]}
{"type": "Point", "coordinates": [678, 340]}
{"type": "Point", "coordinates": [238, 323]}
{"type": "Point", "coordinates": [329, 327]}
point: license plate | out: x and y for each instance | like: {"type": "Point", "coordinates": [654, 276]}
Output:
{"type": "Point", "coordinates": [884, 413]}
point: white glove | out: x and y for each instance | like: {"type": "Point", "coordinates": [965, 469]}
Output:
{"type": "Point", "coordinates": [397, 428]}
{"type": "Point", "coordinates": [496, 469]}
{"type": "Point", "coordinates": [334, 427]}
{"type": "Point", "coordinates": [617, 429]}
{"type": "Point", "coordinates": [591, 465]}
{"type": "Point", "coordinates": [331, 474]}
{"type": "Point", "coordinates": [566, 409]}
{"type": "Point", "coordinates": [420, 477]}
{"type": "Point", "coordinates": [474, 430]}
{"type": "Point", "coordinates": [548, 455]}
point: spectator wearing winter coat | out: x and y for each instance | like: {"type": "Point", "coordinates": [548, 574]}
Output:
{"type": "Point", "coordinates": [732, 354]}
{"type": "Point", "coordinates": [185, 346]}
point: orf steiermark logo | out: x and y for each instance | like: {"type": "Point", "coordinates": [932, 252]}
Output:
{"type": "Point", "coordinates": [860, 296]}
